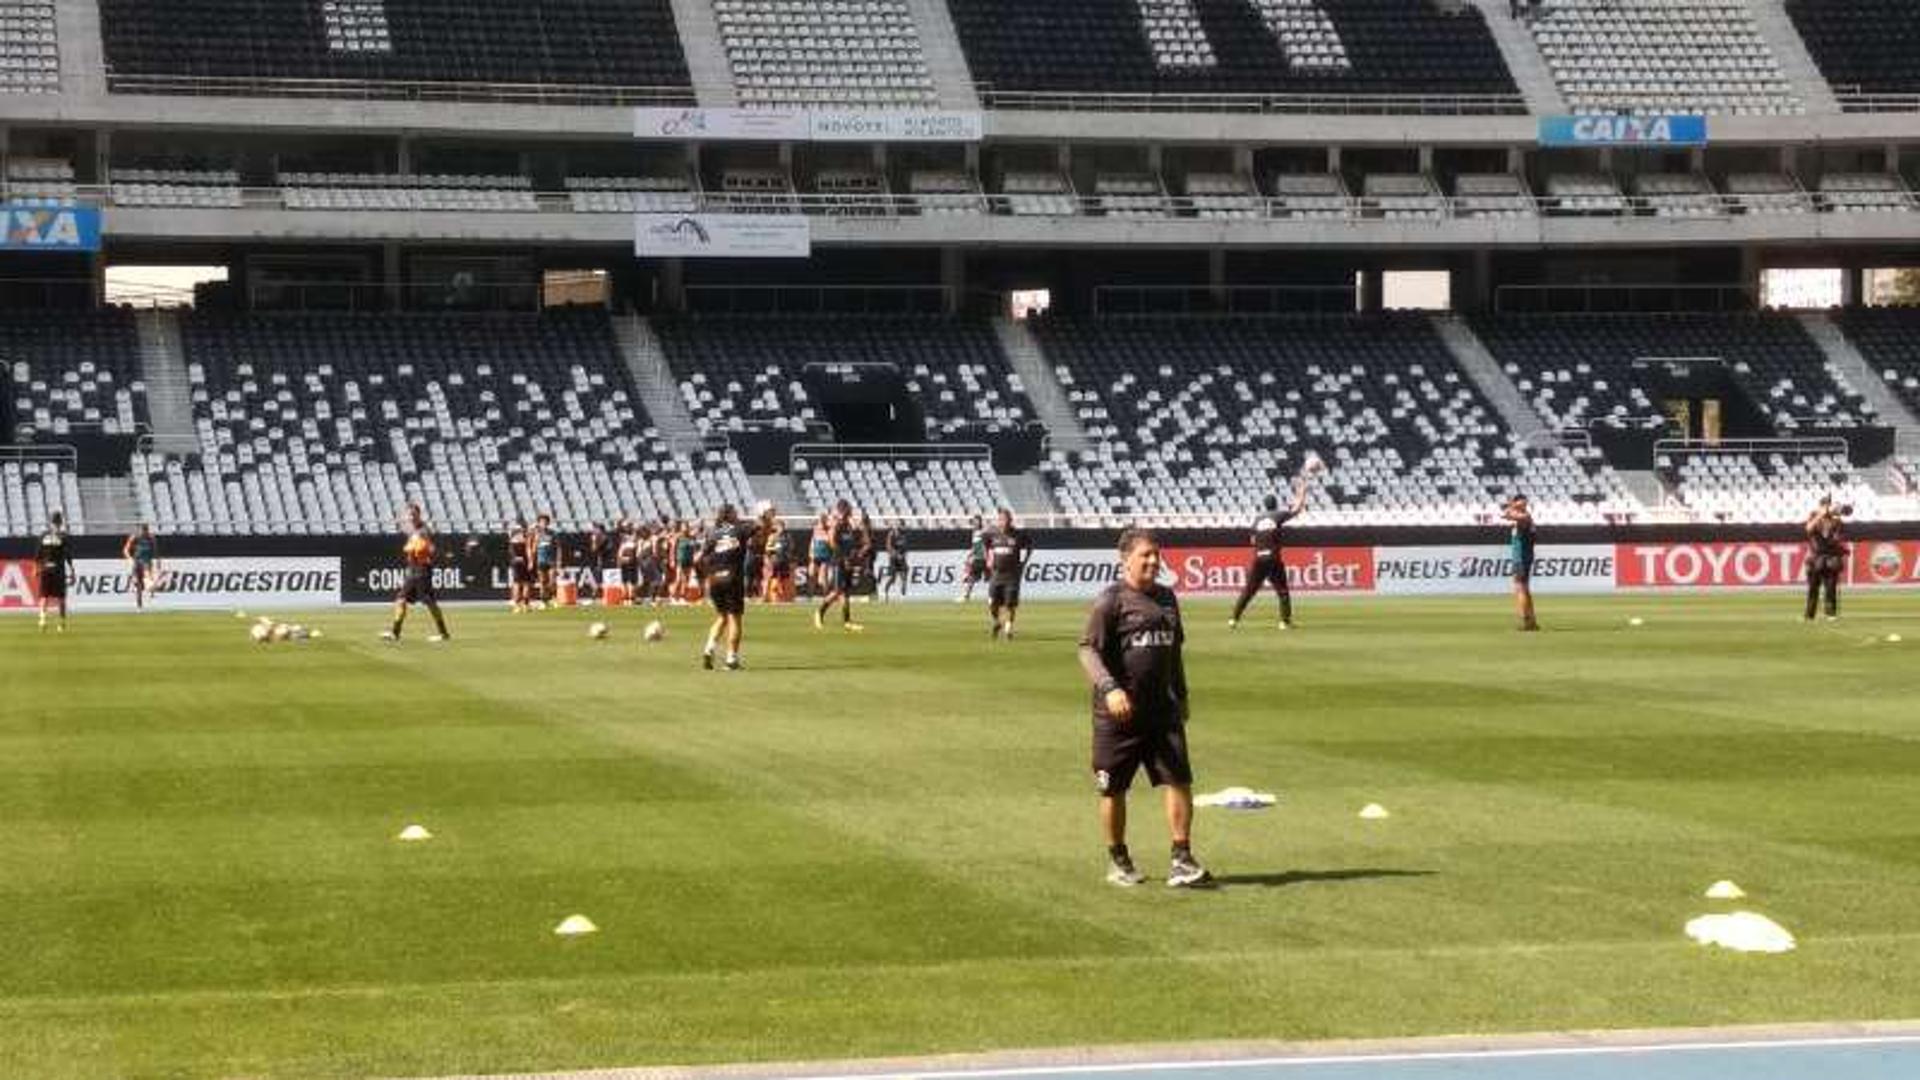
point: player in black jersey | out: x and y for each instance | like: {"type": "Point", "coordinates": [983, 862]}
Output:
{"type": "Point", "coordinates": [1826, 556]}
{"type": "Point", "coordinates": [722, 565]}
{"type": "Point", "coordinates": [626, 556]}
{"type": "Point", "coordinates": [1008, 550]}
{"type": "Point", "coordinates": [1268, 566]}
{"type": "Point", "coordinates": [419, 554]}
{"type": "Point", "coordinates": [896, 548]}
{"type": "Point", "coordinates": [1131, 653]}
{"type": "Point", "coordinates": [845, 543]}
{"type": "Point", "coordinates": [519, 568]}
{"type": "Point", "coordinates": [53, 561]}
{"type": "Point", "coordinates": [777, 549]}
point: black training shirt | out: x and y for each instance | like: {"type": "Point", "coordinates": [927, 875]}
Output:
{"type": "Point", "coordinates": [725, 551]}
{"type": "Point", "coordinates": [1006, 550]}
{"type": "Point", "coordinates": [1266, 531]}
{"type": "Point", "coordinates": [52, 556]}
{"type": "Point", "coordinates": [1133, 642]}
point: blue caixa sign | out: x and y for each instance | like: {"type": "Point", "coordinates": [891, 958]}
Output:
{"type": "Point", "coordinates": [1623, 131]}
{"type": "Point", "coordinates": [49, 228]}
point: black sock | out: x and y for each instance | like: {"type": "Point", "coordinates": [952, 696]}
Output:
{"type": "Point", "coordinates": [1117, 851]}
{"type": "Point", "coordinates": [1182, 850]}
{"type": "Point", "coordinates": [396, 627]}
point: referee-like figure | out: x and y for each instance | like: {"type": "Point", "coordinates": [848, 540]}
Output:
{"type": "Point", "coordinates": [1131, 654]}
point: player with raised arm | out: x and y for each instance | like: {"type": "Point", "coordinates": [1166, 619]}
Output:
{"type": "Point", "coordinates": [1268, 565]}
{"type": "Point", "coordinates": [1131, 654]}
{"type": "Point", "coordinates": [1008, 548]}
{"type": "Point", "coordinates": [1520, 553]}
{"type": "Point", "coordinates": [844, 543]}
{"type": "Point", "coordinates": [142, 553]}
{"type": "Point", "coordinates": [418, 552]}
{"type": "Point", "coordinates": [1826, 556]}
{"type": "Point", "coordinates": [53, 563]}
{"type": "Point", "coordinates": [722, 562]}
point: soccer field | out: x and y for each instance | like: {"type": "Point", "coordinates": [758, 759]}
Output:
{"type": "Point", "coordinates": [885, 843]}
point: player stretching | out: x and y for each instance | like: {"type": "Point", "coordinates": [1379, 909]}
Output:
{"type": "Point", "coordinates": [896, 562]}
{"type": "Point", "coordinates": [1131, 654]}
{"type": "Point", "coordinates": [843, 544]}
{"type": "Point", "coordinates": [418, 587]}
{"type": "Point", "coordinates": [142, 553]}
{"type": "Point", "coordinates": [722, 562]}
{"type": "Point", "coordinates": [974, 568]}
{"type": "Point", "coordinates": [1268, 565]}
{"type": "Point", "coordinates": [1008, 550]}
{"type": "Point", "coordinates": [54, 564]}
{"type": "Point", "coordinates": [1520, 553]}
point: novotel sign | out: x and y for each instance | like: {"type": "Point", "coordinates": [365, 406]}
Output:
{"type": "Point", "coordinates": [1623, 131]}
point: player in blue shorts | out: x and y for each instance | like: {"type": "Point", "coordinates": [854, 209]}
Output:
{"type": "Point", "coordinates": [142, 553]}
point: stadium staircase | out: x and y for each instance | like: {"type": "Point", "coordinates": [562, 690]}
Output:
{"type": "Point", "coordinates": [1846, 361]}
{"type": "Point", "coordinates": [780, 489]}
{"type": "Point", "coordinates": [1480, 366]}
{"type": "Point", "coordinates": [83, 65]}
{"type": "Point", "coordinates": [108, 504]}
{"type": "Point", "coordinates": [1790, 51]}
{"type": "Point", "coordinates": [1644, 485]}
{"type": "Point", "coordinates": [1030, 494]}
{"type": "Point", "coordinates": [1524, 62]}
{"type": "Point", "coordinates": [652, 378]}
{"type": "Point", "coordinates": [163, 366]}
{"type": "Point", "coordinates": [946, 63]}
{"type": "Point", "coordinates": [707, 66]}
{"type": "Point", "coordinates": [1042, 386]}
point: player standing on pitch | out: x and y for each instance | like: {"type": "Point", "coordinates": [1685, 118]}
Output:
{"type": "Point", "coordinates": [1267, 565]}
{"type": "Point", "coordinates": [142, 553]}
{"type": "Point", "coordinates": [1131, 653]}
{"type": "Point", "coordinates": [1520, 554]}
{"type": "Point", "coordinates": [418, 552]}
{"type": "Point", "coordinates": [1826, 556]}
{"type": "Point", "coordinates": [844, 545]}
{"type": "Point", "coordinates": [722, 562]}
{"type": "Point", "coordinates": [53, 562]}
{"type": "Point", "coordinates": [1008, 549]}
{"type": "Point", "coordinates": [974, 567]}
{"type": "Point", "coordinates": [896, 562]}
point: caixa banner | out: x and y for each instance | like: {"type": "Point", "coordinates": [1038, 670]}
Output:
{"type": "Point", "coordinates": [50, 228]}
{"type": "Point", "coordinates": [1623, 131]}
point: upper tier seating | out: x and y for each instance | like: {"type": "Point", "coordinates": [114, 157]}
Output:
{"type": "Point", "coordinates": [1658, 56]}
{"type": "Point", "coordinates": [213, 189]}
{"type": "Point", "coordinates": [941, 192]}
{"type": "Point", "coordinates": [1678, 195]}
{"type": "Point", "coordinates": [73, 372]}
{"type": "Point", "coordinates": [742, 374]}
{"type": "Point", "coordinates": [632, 195]}
{"type": "Point", "coordinates": [1889, 338]}
{"type": "Point", "coordinates": [1363, 47]}
{"type": "Point", "coordinates": [388, 191]}
{"type": "Point", "coordinates": [1131, 195]}
{"type": "Point", "coordinates": [1578, 369]}
{"type": "Point", "coordinates": [1492, 195]}
{"type": "Point", "coordinates": [1402, 197]}
{"type": "Point", "coordinates": [1039, 194]}
{"type": "Point", "coordinates": [29, 493]}
{"type": "Point", "coordinates": [841, 54]}
{"type": "Point", "coordinates": [1862, 46]}
{"type": "Point", "coordinates": [40, 182]}
{"type": "Point", "coordinates": [1767, 193]}
{"type": "Point", "coordinates": [1852, 193]}
{"type": "Point", "coordinates": [1224, 195]}
{"type": "Point", "coordinates": [330, 423]}
{"type": "Point", "coordinates": [1309, 196]}
{"type": "Point", "coordinates": [29, 48]}
{"type": "Point", "coordinates": [939, 492]}
{"type": "Point", "coordinates": [597, 43]}
{"type": "Point", "coordinates": [1584, 194]}
{"type": "Point", "coordinates": [1200, 417]}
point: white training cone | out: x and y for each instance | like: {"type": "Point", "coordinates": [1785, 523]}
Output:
{"type": "Point", "coordinates": [1893, 639]}
{"type": "Point", "coordinates": [1726, 890]}
{"type": "Point", "coordinates": [414, 832]}
{"type": "Point", "coordinates": [315, 634]}
{"type": "Point", "coordinates": [1636, 621]}
{"type": "Point", "coordinates": [1742, 931]}
{"type": "Point", "coordinates": [1373, 811]}
{"type": "Point", "coordinates": [575, 925]}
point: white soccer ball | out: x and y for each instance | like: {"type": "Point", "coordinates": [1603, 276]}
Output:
{"type": "Point", "coordinates": [315, 634]}
{"type": "Point", "coordinates": [260, 633]}
{"type": "Point", "coordinates": [281, 631]}
{"type": "Point", "coordinates": [1636, 621]}
{"type": "Point", "coordinates": [1314, 464]}
{"type": "Point", "coordinates": [598, 631]}
{"type": "Point", "coordinates": [655, 631]}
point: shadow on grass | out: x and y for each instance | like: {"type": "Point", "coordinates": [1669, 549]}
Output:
{"type": "Point", "coordinates": [1310, 877]}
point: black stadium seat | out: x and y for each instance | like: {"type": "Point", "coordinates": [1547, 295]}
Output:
{"type": "Point", "coordinates": [1869, 46]}
{"type": "Point", "coordinates": [626, 43]}
{"type": "Point", "coordinates": [1103, 46]}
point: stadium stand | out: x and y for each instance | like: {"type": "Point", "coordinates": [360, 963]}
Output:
{"type": "Point", "coordinates": [1889, 339]}
{"type": "Point", "coordinates": [1273, 47]}
{"type": "Point", "coordinates": [631, 195]}
{"type": "Point", "coordinates": [851, 192]}
{"type": "Point", "coordinates": [1585, 194]}
{"type": "Point", "coordinates": [31, 490]}
{"type": "Point", "coordinates": [1401, 197]}
{"type": "Point", "coordinates": [1767, 193]}
{"type": "Point", "coordinates": [29, 48]}
{"type": "Point", "coordinates": [745, 374]}
{"type": "Point", "coordinates": [353, 191]}
{"type": "Point", "coordinates": [1765, 486]}
{"type": "Point", "coordinates": [1224, 196]}
{"type": "Point", "coordinates": [326, 423]}
{"type": "Point", "coordinates": [1492, 195]}
{"type": "Point", "coordinates": [841, 54]}
{"type": "Point", "coordinates": [73, 372]}
{"type": "Point", "coordinates": [1678, 195]}
{"type": "Point", "coordinates": [1305, 196]}
{"type": "Point", "coordinates": [257, 43]}
{"type": "Point", "coordinates": [936, 491]}
{"type": "Point", "coordinates": [754, 191]}
{"type": "Point", "coordinates": [1862, 46]}
{"type": "Point", "coordinates": [1039, 194]}
{"type": "Point", "coordinates": [205, 188]}
{"type": "Point", "coordinates": [1852, 193]}
{"type": "Point", "coordinates": [1578, 370]}
{"type": "Point", "coordinates": [1131, 195]}
{"type": "Point", "coordinates": [939, 192]}
{"type": "Point", "coordinates": [40, 181]}
{"type": "Point", "coordinates": [1656, 56]}
{"type": "Point", "coordinates": [1201, 416]}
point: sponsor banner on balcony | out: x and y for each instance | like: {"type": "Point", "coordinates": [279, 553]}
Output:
{"type": "Point", "coordinates": [50, 228]}
{"type": "Point", "coordinates": [1486, 570]}
{"type": "Point", "coordinates": [262, 584]}
{"type": "Point", "coordinates": [1623, 131]}
{"type": "Point", "coordinates": [809, 125]}
{"type": "Point", "coordinates": [722, 236]}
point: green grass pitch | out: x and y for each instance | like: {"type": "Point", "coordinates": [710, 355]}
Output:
{"type": "Point", "coordinates": [885, 843]}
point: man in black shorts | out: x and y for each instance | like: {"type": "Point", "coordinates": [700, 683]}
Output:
{"type": "Point", "coordinates": [848, 545]}
{"type": "Point", "coordinates": [896, 563]}
{"type": "Point", "coordinates": [519, 568]}
{"type": "Point", "coordinates": [418, 552]}
{"type": "Point", "coordinates": [1008, 550]}
{"type": "Point", "coordinates": [53, 562]}
{"type": "Point", "coordinates": [722, 564]}
{"type": "Point", "coordinates": [1826, 557]}
{"type": "Point", "coordinates": [1520, 553]}
{"type": "Point", "coordinates": [1268, 566]}
{"type": "Point", "coordinates": [1131, 654]}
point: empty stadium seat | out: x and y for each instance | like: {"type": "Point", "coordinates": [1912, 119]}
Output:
{"type": "Point", "coordinates": [1772, 486]}
{"type": "Point", "coordinates": [385, 191]}
{"type": "Point", "coordinates": [1862, 46]}
{"type": "Point", "coordinates": [1889, 339]}
{"type": "Point", "coordinates": [29, 47]}
{"type": "Point", "coordinates": [73, 372]}
{"type": "Point", "coordinates": [839, 54]}
{"type": "Point", "coordinates": [207, 188]}
{"type": "Point", "coordinates": [930, 492]}
{"type": "Point", "coordinates": [1656, 56]}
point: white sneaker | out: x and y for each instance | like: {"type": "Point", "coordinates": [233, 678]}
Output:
{"type": "Point", "coordinates": [1233, 624]}
{"type": "Point", "coordinates": [437, 638]}
{"type": "Point", "coordinates": [388, 635]}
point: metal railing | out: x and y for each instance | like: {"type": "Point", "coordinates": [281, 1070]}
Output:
{"type": "Point", "coordinates": [889, 452]}
{"type": "Point", "coordinates": [489, 93]}
{"type": "Point", "coordinates": [58, 453]}
{"type": "Point", "coordinates": [1263, 104]}
{"type": "Point", "coordinates": [1611, 299]}
{"type": "Point", "coordinates": [1247, 300]}
{"type": "Point", "coordinates": [1824, 444]}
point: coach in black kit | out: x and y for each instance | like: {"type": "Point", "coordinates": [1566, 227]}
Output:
{"type": "Point", "coordinates": [1008, 549]}
{"type": "Point", "coordinates": [1131, 654]}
